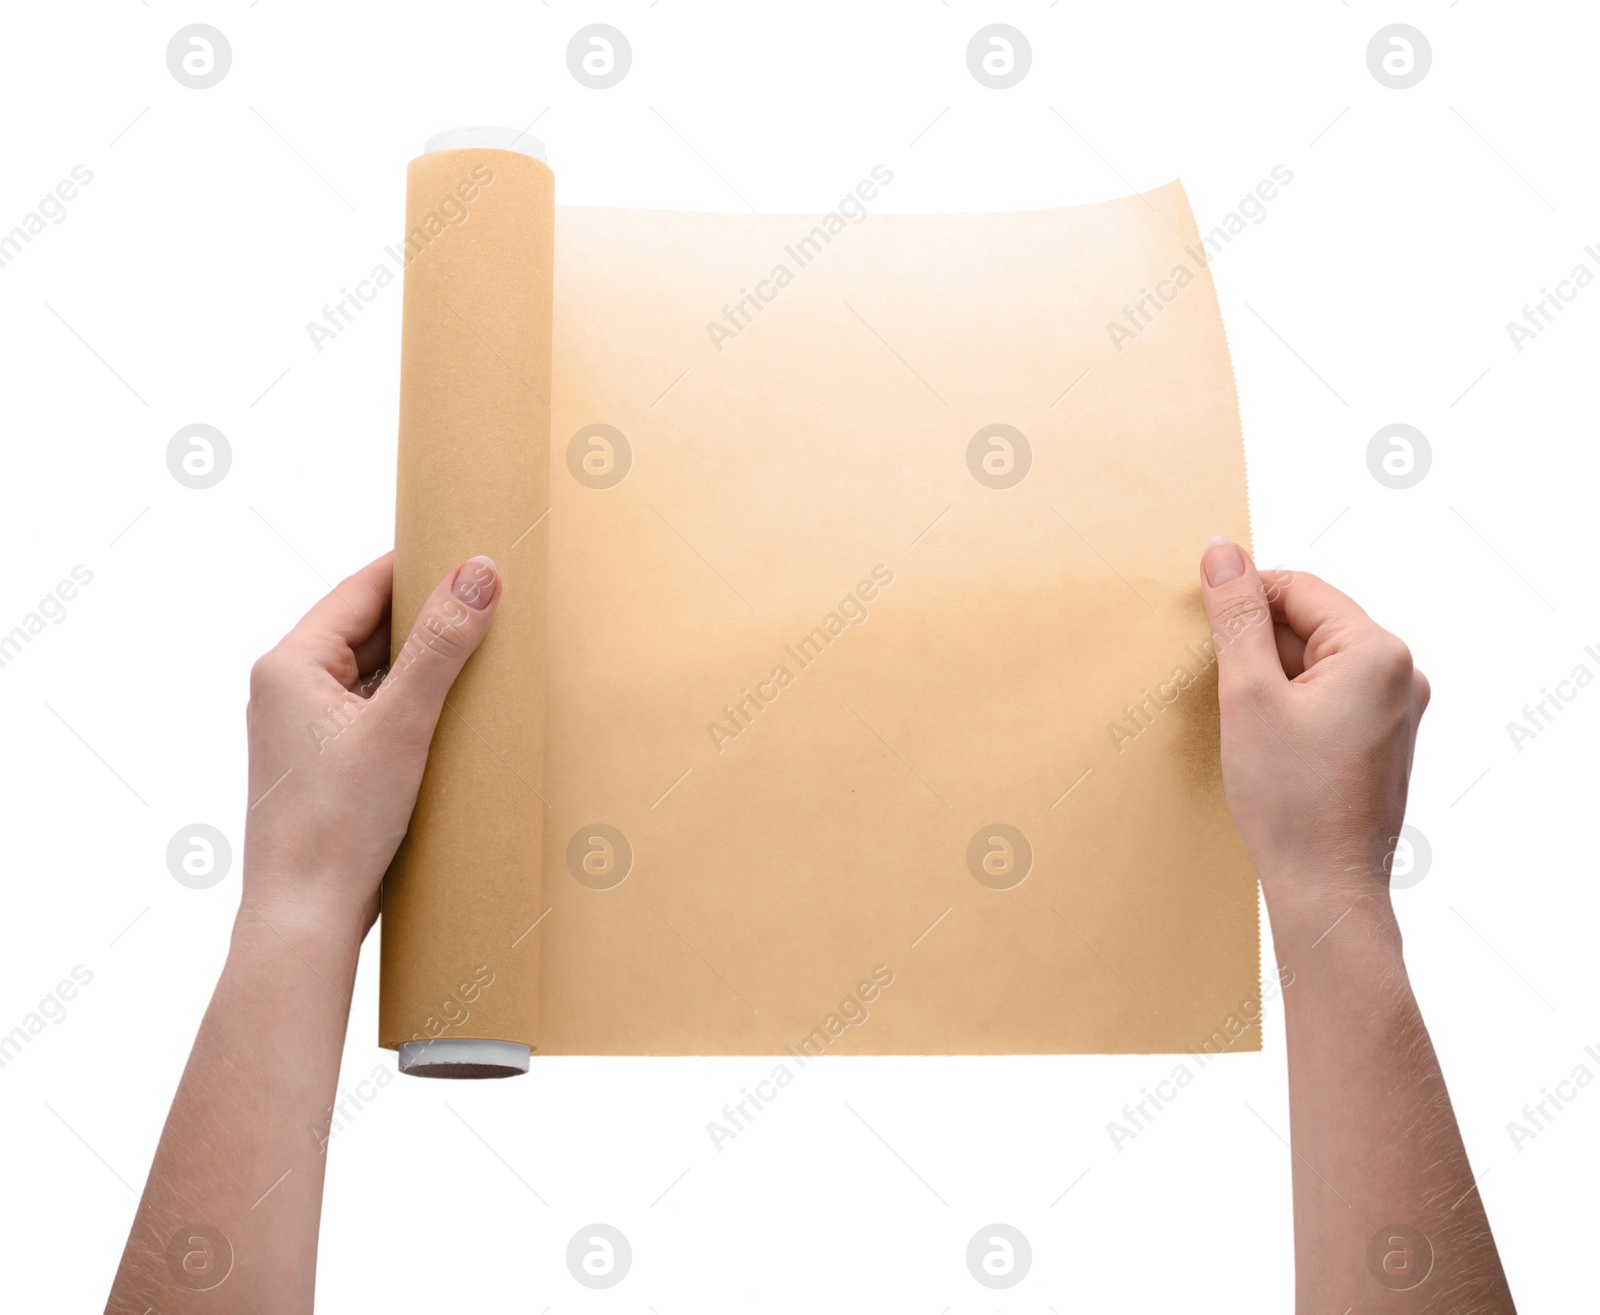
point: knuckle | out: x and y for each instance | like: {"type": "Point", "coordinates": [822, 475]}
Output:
{"type": "Point", "coordinates": [265, 675]}
{"type": "Point", "coordinates": [1243, 687]}
{"type": "Point", "coordinates": [1392, 656]}
{"type": "Point", "coordinates": [1277, 581]}
{"type": "Point", "coordinates": [441, 632]}
{"type": "Point", "coordinates": [335, 657]}
{"type": "Point", "coordinates": [1237, 610]}
{"type": "Point", "coordinates": [1280, 580]}
{"type": "Point", "coordinates": [1423, 691]}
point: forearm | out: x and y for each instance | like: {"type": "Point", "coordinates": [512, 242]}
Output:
{"type": "Point", "coordinates": [1381, 1178]}
{"type": "Point", "coordinates": [242, 1158]}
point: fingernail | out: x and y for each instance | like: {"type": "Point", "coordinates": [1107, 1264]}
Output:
{"type": "Point", "coordinates": [1223, 560]}
{"type": "Point", "coordinates": [475, 582]}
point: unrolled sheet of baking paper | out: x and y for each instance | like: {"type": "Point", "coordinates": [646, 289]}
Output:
{"type": "Point", "coordinates": [878, 705]}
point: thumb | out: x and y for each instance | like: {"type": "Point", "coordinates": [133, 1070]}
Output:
{"type": "Point", "coordinates": [1241, 619]}
{"type": "Point", "coordinates": [448, 630]}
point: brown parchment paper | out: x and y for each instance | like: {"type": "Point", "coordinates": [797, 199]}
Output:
{"type": "Point", "coordinates": [868, 728]}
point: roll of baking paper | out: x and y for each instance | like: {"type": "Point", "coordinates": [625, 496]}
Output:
{"type": "Point", "coordinates": [460, 969]}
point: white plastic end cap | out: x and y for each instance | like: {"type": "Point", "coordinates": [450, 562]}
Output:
{"type": "Point", "coordinates": [486, 137]}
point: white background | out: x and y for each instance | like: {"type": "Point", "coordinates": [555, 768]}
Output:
{"type": "Point", "coordinates": [1376, 290]}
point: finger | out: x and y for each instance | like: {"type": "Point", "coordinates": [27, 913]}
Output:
{"type": "Point", "coordinates": [1240, 617]}
{"type": "Point", "coordinates": [448, 630]}
{"type": "Point", "coordinates": [1322, 616]}
{"type": "Point", "coordinates": [368, 683]}
{"type": "Point", "coordinates": [355, 608]}
{"type": "Point", "coordinates": [1291, 650]}
{"type": "Point", "coordinates": [373, 651]}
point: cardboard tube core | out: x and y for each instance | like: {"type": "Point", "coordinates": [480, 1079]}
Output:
{"type": "Point", "coordinates": [460, 1057]}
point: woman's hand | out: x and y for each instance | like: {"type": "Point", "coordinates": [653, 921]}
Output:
{"type": "Point", "coordinates": [1320, 707]}
{"type": "Point", "coordinates": [339, 736]}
